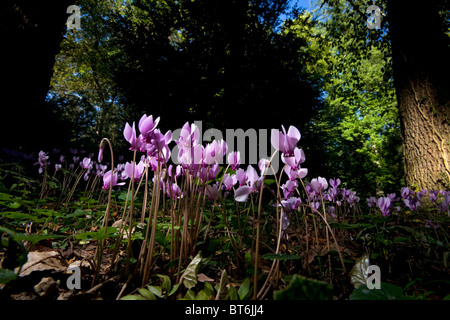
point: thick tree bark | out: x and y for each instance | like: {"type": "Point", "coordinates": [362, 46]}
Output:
{"type": "Point", "coordinates": [421, 75]}
{"type": "Point", "coordinates": [31, 32]}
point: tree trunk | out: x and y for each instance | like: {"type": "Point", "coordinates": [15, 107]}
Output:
{"type": "Point", "coordinates": [421, 76]}
{"type": "Point", "coordinates": [31, 32]}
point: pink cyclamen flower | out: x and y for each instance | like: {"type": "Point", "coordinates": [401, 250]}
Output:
{"type": "Point", "coordinates": [285, 222]}
{"type": "Point", "coordinates": [241, 194]}
{"type": "Point", "coordinates": [174, 191]}
{"type": "Point", "coordinates": [291, 204]}
{"type": "Point", "coordinates": [189, 136]}
{"type": "Point", "coordinates": [263, 164]}
{"type": "Point", "coordinates": [174, 173]}
{"type": "Point", "coordinates": [371, 201]}
{"type": "Point", "coordinates": [295, 160]}
{"type": "Point", "coordinates": [285, 142]}
{"type": "Point", "coordinates": [138, 170]}
{"type": "Point", "coordinates": [234, 159]}
{"type": "Point", "coordinates": [100, 154]}
{"type": "Point", "coordinates": [334, 183]}
{"type": "Point", "coordinates": [319, 184]}
{"type": "Point", "coordinates": [86, 163]}
{"type": "Point", "coordinates": [241, 176]}
{"type": "Point", "coordinates": [158, 145]}
{"type": "Point", "coordinates": [129, 132]}
{"type": "Point", "coordinates": [384, 203]}
{"type": "Point", "coordinates": [214, 152]}
{"type": "Point", "coordinates": [289, 188]}
{"type": "Point", "coordinates": [107, 180]}
{"type": "Point", "coordinates": [295, 173]}
{"type": "Point", "coordinates": [212, 192]}
{"type": "Point", "coordinates": [229, 181]}
{"type": "Point", "coordinates": [42, 160]}
{"type": "Point", "coordinates": [147, 126]}
{"type": "Point", "coordinates": [253, 184]}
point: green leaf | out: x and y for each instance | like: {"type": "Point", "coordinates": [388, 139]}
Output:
{"type": "Point", "coordinates": [174, 289]}
{"type": "Point", "coordinates": [11, 205]}
{"type": "Point", "coordinates": [166, 283]}
{"type": "Point", "coordinates": [168, 226]}
{"type": "Point", "coordinates": [7, 275]}
{"type": "Point", "coordinates": [97, 235]}
{"type": "Point", "coordinates": [78, 212]}
{"type": "Point", "coordinates": [16, 254]}
{"type": "Point", "coordinates": [190, 295]}
{"type": "Point", "coordinates": [302, 288]}
{"type": "Point", "coordinates": [190, 274]}
{"type": "Point", "coordinates": [160, 238]}
{"type": "Point", "coordinates": [204, 294]}
{"type": "Point", "coordinates": [232, 293]}
{"type": "Point", "coordinates": [7, 231]}
{"type": "Point", "coordinates": [386, 292]}
{"type": "Point", "coordinates": [147, 294]}
{"type": "Point", "coordinates": [21, 216]}
{"type": "Point", "coordinates": [133, 297]}
{"type": "Point", "coordinates": [358, 274]}
{"type": "Point", "coordinates": [156, 291]}
{"type": "Point", "coordinates": [5, 196]}
{"type": "Point", "coordinates": [209, 287]}
{"type": "Point", "coordinates": [123, 196]}
{"type": "Point", "coordinates": [35, 238]}
{"type": "Point", "coordinates": [244, 289]}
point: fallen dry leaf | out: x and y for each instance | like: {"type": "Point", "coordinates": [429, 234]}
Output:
{"type": "Point", "coordinates": [204, 278]}
{"type": "Point", "coordinates": [46, 260]}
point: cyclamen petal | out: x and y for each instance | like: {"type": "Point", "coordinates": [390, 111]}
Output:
{"type": "Point", "coordinates": [229, 181]}
{"type": "Point", "coordinates": [234, 159]}
{"type": "Point", "coordinates": [148, 125]}
{"type": "Point", "coordinates": [212, 192]}
{"type": "Point", "coordinates": [284, 141]}
{"type": "Point", "coordinates": [241, 194]}
{"type": "Point", "coordinates": [263, 164]}
{"type": "Point", "coordinates": [302, 173]}
{"type": "Point", "coordinates": [292, 137]}
{"type": "Point", "coordinates": [129, 132]}
{"type": "Point", "coordinates": [275, 138]}
{"type": "Point", "coordinates": [85, 163]}
{"type": "Point", "coordinates": [252, 175]}
{"type": "Point", "coordinates": [107, 180]}
{"type": "Point", "coordinates": [241, 176]}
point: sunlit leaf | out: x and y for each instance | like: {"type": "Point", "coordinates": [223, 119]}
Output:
{"type": "Point", "coordinates": [358, 274]}
{"type": "Point", "coordinates": [166, 283]}
{"type": "Point", "coordinates": [244, 289]}
{"type": "Point", "coordinates": [147, 294]}
{"type": "Point", "coordinates": [174, 289]}
{"type": "Point", "coordinates": [156, 291]}
{"type": "Point", "coordinates": [133, 297]}
{"type": "Point", "coordinates": [190, 274]}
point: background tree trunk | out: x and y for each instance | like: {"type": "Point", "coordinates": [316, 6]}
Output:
{"type": "Point", "coordinates": [31, 32]}
{"type": "Point", "coordinates": [421, 75]}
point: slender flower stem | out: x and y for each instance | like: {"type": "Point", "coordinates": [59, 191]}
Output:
{"type": "Point", "coordinates": [258, 223]}
{"type": "Point", "coordinates": [100, 244]}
